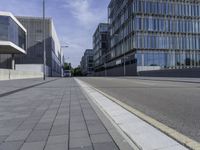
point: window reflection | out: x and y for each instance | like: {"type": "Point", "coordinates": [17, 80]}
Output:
{"type": "Point", "coordinates": [10, 31]}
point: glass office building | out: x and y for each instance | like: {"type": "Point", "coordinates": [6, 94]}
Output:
{"type": "Point", "coordinates": [101, 45]}
{"type": "Point", "coordinates": [160, 33]}
{"type": "Point", "coordinates": [87, 66]}
{"type": "Point", "coordinates": [14, 30]}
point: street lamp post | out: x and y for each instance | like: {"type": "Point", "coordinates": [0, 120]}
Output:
{"type": "Point", "coordinates": [44, 46]}
{"type": "Point", "coordinates": [124, 64]}
{"type": "Point", "coordinates": [105, 64]}
{"type": "Point", "coordinates": [105, 69]}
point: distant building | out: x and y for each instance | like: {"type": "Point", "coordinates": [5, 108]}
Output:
{"type": "Point", "coordinates": [33, 60]}
{"type": "Point", "coordinates": [13, 39]}
{"type": "Point", "coordinates": [101, 46]}
{"type": "Point", "coordinates": [87, 63]}
{"type": "Point", "coordinates": [154, 35]}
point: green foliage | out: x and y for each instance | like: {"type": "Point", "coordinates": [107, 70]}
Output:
{"type": "Point", "coordinates": [77, 71]}
{"type": "Point", "coordinates": [67, 66]}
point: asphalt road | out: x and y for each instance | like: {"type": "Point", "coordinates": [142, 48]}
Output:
{"type": "Point", "coordinates": [174, 102]}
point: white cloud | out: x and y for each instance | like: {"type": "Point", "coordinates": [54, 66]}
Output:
{"type": "Point", "coordinates": [83, 21]}
{"type": "Point", "coordinates": [84, 13]}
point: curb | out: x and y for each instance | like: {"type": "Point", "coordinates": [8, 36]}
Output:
{"type": "Point", "coordinates": [120, 138]}
{"type": "Point", "coordinates": [180, 138]}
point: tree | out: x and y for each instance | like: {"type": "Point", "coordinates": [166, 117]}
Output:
{"type": "Point", "coordinates": [67, 66]}
{"type": "Point", "coordinates": [77, 71]}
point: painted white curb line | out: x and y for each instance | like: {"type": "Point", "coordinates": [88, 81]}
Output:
{"type": "Point", "coordinates": [140, 132]}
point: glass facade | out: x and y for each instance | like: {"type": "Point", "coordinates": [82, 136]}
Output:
{"type": "Point", "coordinates": [161, 33]}
{"type": "Point", "coordinates": [87, 62]}
{"type": "Point", "coordinates": [35, 51]}
{"type": "Point", "coordinates": [100, 44]}
{"type": "Point", "coordinates": [10, 31]}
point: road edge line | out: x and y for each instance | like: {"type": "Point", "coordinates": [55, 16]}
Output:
{"type": "Point", "coordinates": [177, 136]}
{"type": "Point", "coordinates": [122, 140]}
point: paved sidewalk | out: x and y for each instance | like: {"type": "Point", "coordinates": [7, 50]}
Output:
{"type": "Point", "coordinates": [11, 85]}
{"type": "Point", "coordinates": [52, 116]}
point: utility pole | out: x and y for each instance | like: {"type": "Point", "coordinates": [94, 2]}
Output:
{"type": "Point", "coordinates": [44, 46]}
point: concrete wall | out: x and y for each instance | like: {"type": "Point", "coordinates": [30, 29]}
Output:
{"type": "Point", "coordinates": [36, 68]}
{"type": "Point", "coordinates": [147, 68]}
{"type": "Point", "coordinates": [185, 72]}
{"type": "Point", "coordinates": [6, 74]}
{"type": "Point", "coordinates": [29, 67]}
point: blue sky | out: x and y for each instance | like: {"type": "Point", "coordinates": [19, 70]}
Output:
{"type": "Point", "coordinates": [75, 20]}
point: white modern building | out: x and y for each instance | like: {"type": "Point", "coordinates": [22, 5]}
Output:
{"type": "Point", "coordinates": [24, 35]}
{"type": "Point", "coordinates": [13, 38]}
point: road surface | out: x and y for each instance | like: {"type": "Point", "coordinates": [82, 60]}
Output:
{"type": "Point", "coordinates": [174, 102]}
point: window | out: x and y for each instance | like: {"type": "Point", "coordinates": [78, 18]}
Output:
{"type": "Point", "coordinates": [139, 59]}
{"type": "Point", "coordinates": [4, 23]}
{"type": "Point", "coordinates": [10, 31]}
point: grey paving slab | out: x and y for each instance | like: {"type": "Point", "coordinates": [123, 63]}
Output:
{"type": "Point", "coordinates": [19, 135]}
{"type": "Point", "coordinates": [3, 138]}
{"type": "Point", "coordinates": [97, 129]}
{"type": "Point", "coordinates": [43, 126]}
{"type": "Point", "coordinates": [82, 148]}
{"type": "Point", "coordinates": [105, 146]}
{"type": "Point", "coordinates": [11, 145]}
{"type": "Point", "coordinates": [27, 125]}
{"type": "Point", "coordinates": [6, 131]}
{"type": "Point", "coordinates": [77, 126]}
{"type": "Point", "coordinates": [52, 116]}
{"type": "Point", "coordinates": [59, 139]}
{"type": "Point", "coordinates": [79, 142]}
{"type": "Point", "coordinates": [7, 86]}
{"type": "Point", "coordinates": [61, 122]}
{"type": "Point", "coordinates": [33, 146]}
{"type": "Point", "coordinates": [59, 130]}
{"type": "Point", "coordinates": [38, 136]}
{"type": "Point", "coordinates": [101, 138]}
{"type": "Point", "coordinates": [79, 134]}
{"type": "Point", "coordinates": [56, 147]}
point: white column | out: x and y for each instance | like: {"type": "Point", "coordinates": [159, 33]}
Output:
{"type": "Point", "coordinates": [13, 62]}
